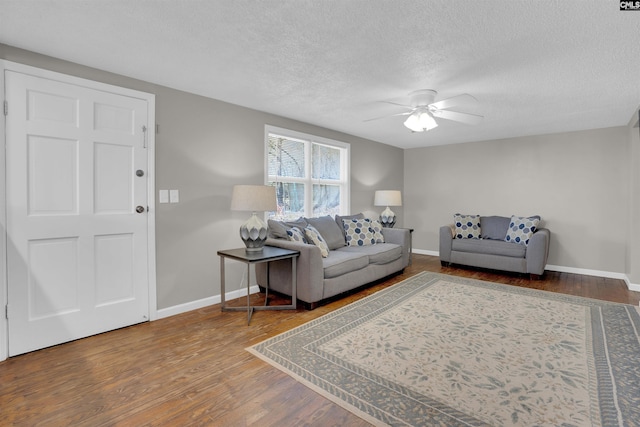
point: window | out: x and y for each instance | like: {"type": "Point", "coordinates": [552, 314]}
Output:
{"type": "Point", "coordinates": [311, 174]}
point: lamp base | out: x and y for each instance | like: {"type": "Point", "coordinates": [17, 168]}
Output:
{"type": "Point", "coordinates": [388, 218]}
{"type": "Point", "coordinates": [254, 233]}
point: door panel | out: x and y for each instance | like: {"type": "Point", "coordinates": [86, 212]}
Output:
{"type": "Point", "coordinates": [114, 118]}
{"type": "Point", "coordinates": [112, 178]}
{"type": "Point", "coordinates": [53, 107]}
{"type": "Point", "coordinates": [52, 157]}
{"type": "Point", "coordinates": [77, 249]}
{"type": "Point", "coordinates": [114, 269]}
{"type": "Point", "coordinates": [52, 279]}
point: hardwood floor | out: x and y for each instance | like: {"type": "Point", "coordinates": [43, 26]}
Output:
{"type": "Point", "coordinates": [192, 369]}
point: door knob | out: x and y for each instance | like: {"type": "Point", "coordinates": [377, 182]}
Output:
{"type": "Point", "coordinates": [139, 172]}
{"type": "Point", "coordinates": [139, 209]}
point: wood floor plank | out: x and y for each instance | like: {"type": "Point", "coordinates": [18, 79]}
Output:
{"type": "Point", "coordinates": [192, 369]}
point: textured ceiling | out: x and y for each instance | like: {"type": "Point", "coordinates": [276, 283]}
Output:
{"type": "Point", "coordinates": [536, 66]}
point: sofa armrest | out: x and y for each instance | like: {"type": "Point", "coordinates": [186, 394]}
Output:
{"type": "Point", "coordinates": [310, 272]}
{"type": "Point", "coordinates": [446, 238]}
{"type": "Point", "coordinates": [538, 251]}
{"type": "Point", "coordinates": [399, 236]}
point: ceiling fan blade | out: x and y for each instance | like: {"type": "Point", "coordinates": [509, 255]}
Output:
{"type": "Point", "coordinates": [406, 113]}
{"type": "Point", "coordinates": [464, 100]}
{"type": "Point", "coordinates": [396, 103]}
{"type": "Point", "coordinates": [466, 118]}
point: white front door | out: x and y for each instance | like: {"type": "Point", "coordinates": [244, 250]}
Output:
{"type": "Point", "coordinates": [76, 168]}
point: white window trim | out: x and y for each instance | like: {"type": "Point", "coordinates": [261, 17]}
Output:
{"type": "Point", "coordinates": [345, 167]}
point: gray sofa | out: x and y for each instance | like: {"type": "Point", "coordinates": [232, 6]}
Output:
{"type": "Point", "coordinates": [492, 250]}
{"type": "Point", "coordinates": [345, 268]}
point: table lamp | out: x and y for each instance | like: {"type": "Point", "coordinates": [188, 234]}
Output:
{"type": "Point", "coordinates": [254, 198]}
{"type": "Point", "coordinates": [388, 198]}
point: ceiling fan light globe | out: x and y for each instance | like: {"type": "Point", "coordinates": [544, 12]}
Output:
{"type": "Point", "coordinates": [420, 121]}
{"type": "Point", "coordinates": [427, 122]}
{"type": "Point", "coordinates": [413, 123]}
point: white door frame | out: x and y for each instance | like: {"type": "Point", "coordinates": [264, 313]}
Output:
{"type": "Point", "coordinates": [151, 222]}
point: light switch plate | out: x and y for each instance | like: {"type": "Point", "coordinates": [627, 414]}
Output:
{"type": "Point", "coordinates": [174, 196]}
{"type": "Point", "coordinates": [164, 196]}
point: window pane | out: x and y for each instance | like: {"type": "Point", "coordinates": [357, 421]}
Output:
{"type": "Point", "coordinates": [326, 162]}
{"type": "Point", "coordinates": [286, 157]}
{"type": "Point", "coordinates": [326, 200]}
{"type": "Point", "coordinates": [290, 198]}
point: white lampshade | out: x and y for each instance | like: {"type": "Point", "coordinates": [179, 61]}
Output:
{"type": "Point", "coordinates": [420, 121]}
{"type": "Point", "coordinates": [253, 198]}
{"type": "Point", "coordinates": [387, 198]}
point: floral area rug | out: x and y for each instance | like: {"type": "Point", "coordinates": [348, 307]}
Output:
{"type": "Point", "coordinates": [449, 351]}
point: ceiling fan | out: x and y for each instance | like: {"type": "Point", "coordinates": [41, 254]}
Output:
{"type": "Point", "coordinates": [423, 111]}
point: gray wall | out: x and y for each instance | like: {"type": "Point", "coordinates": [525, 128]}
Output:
{"type": "Point", "coordinates": [203, 148]}
{"type": "Point", "coordinates": [577, 181]}
{"type": "Point", "coordinates": [585, 185]}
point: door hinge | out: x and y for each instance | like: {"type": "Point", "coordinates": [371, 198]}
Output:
{"type": "Point", "coordinates": [6, 108]}
{"type": "Point", "coordinates": [6, 311]}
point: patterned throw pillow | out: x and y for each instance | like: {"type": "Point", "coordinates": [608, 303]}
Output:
{"type": "Point", "coordinates": [376, 227]}
{"type": "Point", "coordinates": [314, 237]}
{"type": "Point", "coordinates": [358, 232]}
{"type": "Point", "coordinates": [521, 229]}
{"type": "Point", "coordinates": [296, 235]}
{"type": "Point", "coordinates": [467, 226]}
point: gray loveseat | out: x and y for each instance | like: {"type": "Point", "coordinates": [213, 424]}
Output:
{"type": "Point", "coordinates": [495, 242]}
{"type": "Point", "coordinates": [345, 268]}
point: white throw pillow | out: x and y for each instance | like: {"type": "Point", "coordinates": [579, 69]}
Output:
{"type": "Point", "coordinates": [296, 235]}
{"type": "Point", "coordinates": [376, 227]}
{"type": "Point", "coordinates": [521, 229]}
{"type": "Point", "coordinates": [467, 226]}
{"type": "Point", "coordinates": [358, 232]}
{"type": "Point", "coordinates": [314, 237]}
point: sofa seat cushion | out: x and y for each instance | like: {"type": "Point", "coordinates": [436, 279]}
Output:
{"type": "Point", "coordinates": [340, 262]}
{"type": "Point", "coordinates": [379, 253]}
{"type": "Point", "coordinates": [489, 247]}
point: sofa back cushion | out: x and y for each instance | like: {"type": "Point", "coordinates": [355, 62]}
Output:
{"type": "Point", "coordinates": [329, 230]}
{"type": "Point", "coordinates": [494, 227]}
{"type": "Point", "coordinates": [278, 229]}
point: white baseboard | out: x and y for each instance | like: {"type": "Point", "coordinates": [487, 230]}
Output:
{"type": "Point", "coordinates": [586, 272]}
{"type": "Point", "coordinates": [562, 269]}
{"type": "Point", "coordinates": [204, 302]}
{"type": "Point", "coordinates": [425, 252]}
{"type": "Point", "coordinates": [632, 286]}
{"type": "Point", "coordinates": [598, 273]}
